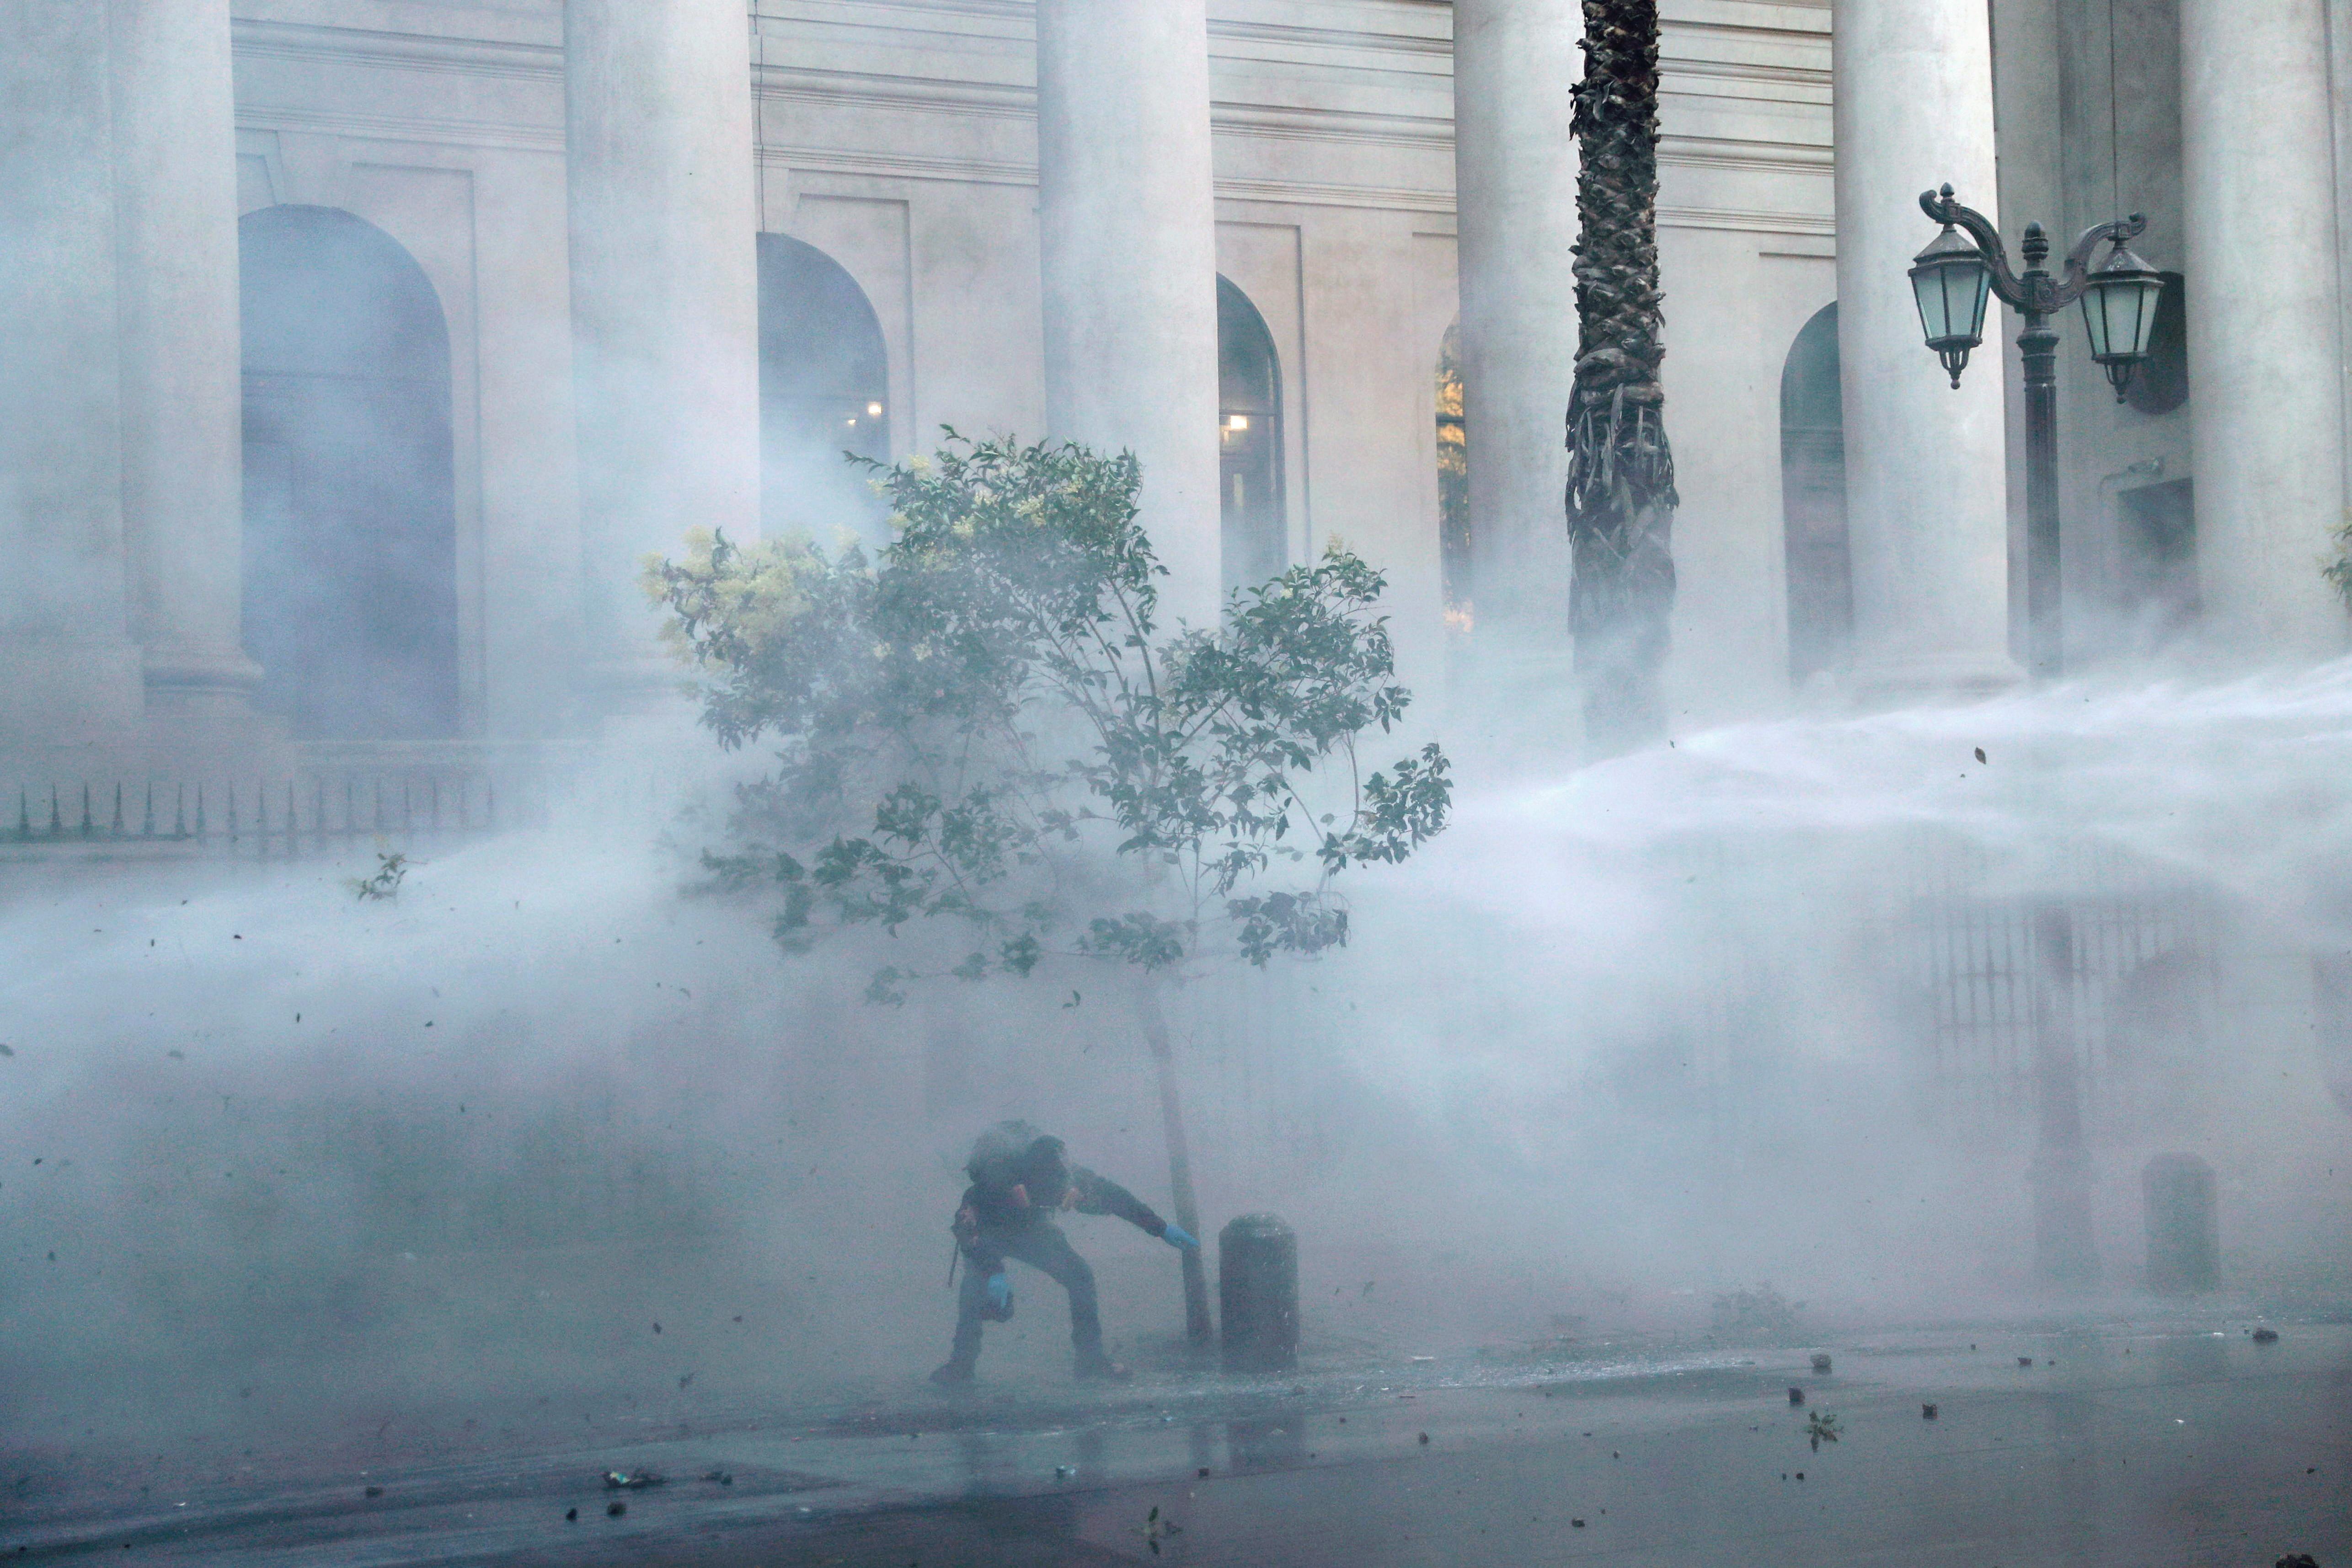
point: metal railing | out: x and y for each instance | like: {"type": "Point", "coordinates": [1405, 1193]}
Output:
{"type": "Point", "coordinates": [1976, 966]}
{"type": "Point", "coordinates": [280, 818]}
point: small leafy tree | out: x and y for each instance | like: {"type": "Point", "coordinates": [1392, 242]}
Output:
{"type": "Point", "coordinates": [986, 734]}
{"type": "Point", "coordinates": [2338, 568]}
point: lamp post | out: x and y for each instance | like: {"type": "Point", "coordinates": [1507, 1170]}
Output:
{"type": "Point", "coordinates": [1950, 279]}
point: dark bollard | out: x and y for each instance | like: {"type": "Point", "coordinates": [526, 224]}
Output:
{"type": "Point", "coordinates": [1257, 1289]}
{"type": "Point", "coordinates": [2184, 1235]}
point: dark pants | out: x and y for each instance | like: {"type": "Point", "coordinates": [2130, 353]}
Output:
{"type": "Point", "coordinates": [1043, 1247]}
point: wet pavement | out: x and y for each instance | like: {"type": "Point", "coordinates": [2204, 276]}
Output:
{"type": "Point", "coordinates": [2109, 1443]}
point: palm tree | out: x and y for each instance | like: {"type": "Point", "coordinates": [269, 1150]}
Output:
{"type": "Point", "coordinates": [1621, 473]}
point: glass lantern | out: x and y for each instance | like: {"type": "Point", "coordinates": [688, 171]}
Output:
{"type": "Point", "coordinates": [1951, 280]}
{"type": "Point", "coordinates": [2119, 313]}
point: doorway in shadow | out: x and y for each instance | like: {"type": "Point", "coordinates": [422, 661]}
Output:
{"type": "Point", "coordinates": [351, 534]}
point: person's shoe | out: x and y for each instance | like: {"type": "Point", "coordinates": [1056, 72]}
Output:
{"type": "Point", "coordinates": [954, 1374]}
{"type": "Point", "coordinates": [1102, 1369]}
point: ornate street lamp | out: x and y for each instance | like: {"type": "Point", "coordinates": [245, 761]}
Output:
{"type": "Point", "coordinates": [1951, 280]}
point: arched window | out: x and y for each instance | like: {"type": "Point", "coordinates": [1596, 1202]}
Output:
{"type": "Point", "coordinates": [351, 534]}
{"type": "Point", "coordinates": [1256, 539]}
{"type": "Point", "coordinates": [1812, 500]}
{"type": "Point", "coordinates": [1452, 480]}
{"type": "Point", "coordinates": [825, 390]}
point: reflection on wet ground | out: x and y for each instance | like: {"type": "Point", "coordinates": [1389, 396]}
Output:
{"type": "Point", "coordinates": [2107, 1445]}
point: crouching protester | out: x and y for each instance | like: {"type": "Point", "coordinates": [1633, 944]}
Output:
{"type": "Point", "coordinates": [1019, 1182]}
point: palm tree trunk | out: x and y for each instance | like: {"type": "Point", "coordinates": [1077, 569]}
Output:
{"type": "Point", "coordinates": [1621, 473]}
{"type": "Point", "coordinates": [1198, 1328]}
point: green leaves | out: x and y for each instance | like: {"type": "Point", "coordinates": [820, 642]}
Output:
{"type": "Point", "coordinates": [1138, 938]}
{"type": "Point", "coordinates": [1288, 922]}
{"type": "Point", "coordinates": [1403, 808]}
{"type": "Point", "coordinates": [2338, 571]}
{"type": "Point", "coordinates": [989, 724]}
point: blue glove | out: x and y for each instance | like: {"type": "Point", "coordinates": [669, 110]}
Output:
{"type": "Point", "coordinates": [1000, 1291]}
{"type": "Point", "coordinates": [1177, 1236]}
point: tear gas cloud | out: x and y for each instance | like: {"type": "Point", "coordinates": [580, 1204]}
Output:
{"type": "Point", "coordinates": [1621, 1041]}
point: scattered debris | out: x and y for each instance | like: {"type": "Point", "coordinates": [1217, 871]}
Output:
{"type": "Point", "coordinates": [1926, 1413]}
{"type": "Point", "coordinates": [1820, 1361]}
{"type": "Point", "coordinates": [1822, 1428]}
{"type": "Point", "coordinates": [390, 871]}
{"type": "Point", "coordinates": [2025, 1360]}
{"type": "Point", "coordinates": [632, 1480]}
{"type": "Point", "coordinates": [2264, 1337]}
{"type": "Point", "coordinates": [1156, 1528]}
{"type": "Point", "coordinates": [616, 1508]}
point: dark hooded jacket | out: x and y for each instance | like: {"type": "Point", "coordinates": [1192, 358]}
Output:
{"type": "Point", "coordinates": [1020, 1179]}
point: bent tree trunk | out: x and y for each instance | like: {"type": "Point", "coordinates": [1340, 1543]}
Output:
{"type": "Point", "coordinates": [1620, 471]}
{"type": "Point", "coordinates": [1198, 1329]}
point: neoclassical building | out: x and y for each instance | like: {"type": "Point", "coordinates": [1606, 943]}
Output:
{"type": "Point", "coordinates": [355, 351]}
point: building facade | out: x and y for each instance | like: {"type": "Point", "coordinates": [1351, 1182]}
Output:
{"type": "Point", "coordinates": [358, 350]}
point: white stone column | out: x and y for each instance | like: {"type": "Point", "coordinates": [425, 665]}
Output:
{"type": "Point", "coordinates": [1926, 483]}
{"type": "Point", "coordinates": [68, 671]}
{"type": "Point", "coordinates": [1514, 65]}
{"type": "Point", "coordinates": [175, 244]}
{"type": "Point", "coordinates": [2264, 329]}
{"type": "Point", "coordinates": [1127, 249]}
{"type": "Point", "coordinates": [665, 298]}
